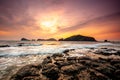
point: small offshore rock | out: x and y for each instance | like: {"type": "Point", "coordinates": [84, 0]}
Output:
{"type": "Point", "coordinates": [66, 51]}
{"type": "Point", "coordinates": [4, 46]}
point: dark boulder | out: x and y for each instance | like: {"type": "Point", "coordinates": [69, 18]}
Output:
{"type": "Point", "coordinates": [26, 71]}
{"type": "Point", "coordinates": [107, 70]}
{"type": "Point", "coordinates": [115, 61]}
{"type": "Point", "coordinates": [71, 58]}
{"type": "Point", "coordinates": [93, 76]}
{"type": "Point", "coordinates": [66, 51]}
{"type": "Point", "coordinates": [61, 64]}
{"type": "Point", "coordinates": [47, 60]}
{"type": "Point", "coordinates": [57, 55]}
{"type": "Point", "coordinates": [51, 71]}
{"type": "Point", "coordinates": [72, 69]}
{"type": "Point", "coordinates": [117, 74]}
{"type": "Point", "coordinates": [118, 52]}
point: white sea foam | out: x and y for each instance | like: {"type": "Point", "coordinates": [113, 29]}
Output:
{"type": "Point", "coordinates": [44, 49]}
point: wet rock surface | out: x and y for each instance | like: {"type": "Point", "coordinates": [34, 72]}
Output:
{"type": "Point", "coordinates": [62, 67]}
{"type": "Point", "coordinates": [107, 51]}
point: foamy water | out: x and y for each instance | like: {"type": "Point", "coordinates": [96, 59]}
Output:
{"type": "Point", "coordinates": [34, 52]}
{"type": "Point", "coordinates": [30, 49]}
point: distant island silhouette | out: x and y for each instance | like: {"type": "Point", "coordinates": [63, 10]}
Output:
{"type": "Point", "coordinates": [78, 38]}
{"type": "Point", "coordinates": [71, 38]}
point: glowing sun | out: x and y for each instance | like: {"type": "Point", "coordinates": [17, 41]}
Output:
{"type": "Point", "coordinates": [49, 24]}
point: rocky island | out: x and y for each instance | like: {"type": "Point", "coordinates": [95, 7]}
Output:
{"type": "Point", "coordinates": [78, 38]}
{"type": "Point", "coordinates": [24, 39]}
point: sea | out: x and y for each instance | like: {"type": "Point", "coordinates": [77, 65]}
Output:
{"type": "Point", "coordinates": [19, 53]}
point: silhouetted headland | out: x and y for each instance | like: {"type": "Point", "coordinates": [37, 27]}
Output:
{"type": "Point", "coordinates": [71, 38]}
{"type": "Point", "coordinates": [78, 38]}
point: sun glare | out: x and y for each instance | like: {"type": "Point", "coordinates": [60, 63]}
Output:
{"type": "Point", "coordinates": [49, 24]}
{"type": "Point", "coordinates": [52, 22]}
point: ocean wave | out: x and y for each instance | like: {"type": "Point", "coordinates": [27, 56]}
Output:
{"type": "Point", "coordinates": [28, 44]}
{"type": "Point", "coordinates": [19, 45]}
{"type": "Point", "coordinates": [44, 49]}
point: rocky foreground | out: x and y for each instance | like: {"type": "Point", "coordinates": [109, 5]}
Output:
{"type": "Point", "coordinates": [100, 64]}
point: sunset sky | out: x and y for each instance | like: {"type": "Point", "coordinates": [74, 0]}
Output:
{"type": "Point", "coordinates": [35, 19]}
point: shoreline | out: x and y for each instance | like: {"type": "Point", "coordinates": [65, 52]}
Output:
{"type": "Point", "coordinates": [93, 65]}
